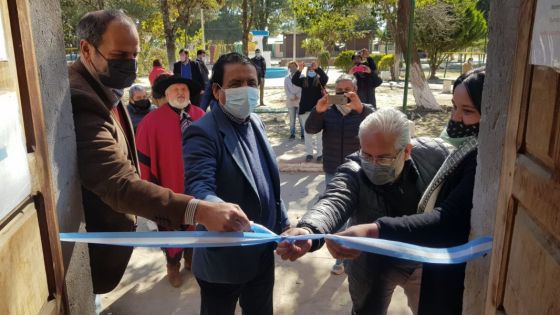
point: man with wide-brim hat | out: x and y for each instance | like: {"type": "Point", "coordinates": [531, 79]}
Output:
{"type": "Point", "coordinates": [160, 150]}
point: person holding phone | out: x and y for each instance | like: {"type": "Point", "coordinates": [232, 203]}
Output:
{"type": "Point", "coordinates": [363, 73]}
{"type": "Point", "coordinates": [338, 118]}
{"type": "Point", "coordinates": [312, 89]}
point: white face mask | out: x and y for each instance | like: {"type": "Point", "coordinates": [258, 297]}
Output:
{"type": "Point", "coordinates": [179, 105]}
{"type": "Point", "coordinates": [241, 101]}
{"type": "Point", "coordinates": [343, 109]}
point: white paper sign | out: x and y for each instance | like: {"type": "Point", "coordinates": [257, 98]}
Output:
{"type": "Point", "coordinates": [15, 178]}
{"type": "Point", "coordinates": [3, 51]}
{"type": "Point", "coordinates": [545, 46]}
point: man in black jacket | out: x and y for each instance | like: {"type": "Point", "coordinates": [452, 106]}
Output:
{"type": "Point", "coordinates": [385, 178]}
{"type": "Point", "coordinates": [260, 62]}
{"type": "Point", "coordinates": [339, 124]}
{"type": "Point", "coordinates": [189, 69]}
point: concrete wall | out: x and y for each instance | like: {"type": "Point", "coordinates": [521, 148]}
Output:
{"type": "Point", "coordinates": [49, 51]}
{"type": "Point", "coordinates": [495, 102]}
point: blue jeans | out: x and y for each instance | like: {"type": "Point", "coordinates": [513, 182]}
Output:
{"type": "Point", "coordinates": [293, 113]}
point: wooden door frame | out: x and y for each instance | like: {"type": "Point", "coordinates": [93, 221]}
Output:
{"type": "Point", "coordinates": [38, 156]}
{"type": "Point", "coordinates": [515, 128]}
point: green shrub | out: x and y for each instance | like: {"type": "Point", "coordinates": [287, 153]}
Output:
{"type": "Point", "coordinates": [343, 61]}
{"type": "Point", "coordinates": [377, 57]}
{"type": "Point", "coordinates": [386, 62]}
{"type": "Point", "coordinates": [324, 58]}
{"type": "Point", "coordinates": [313, 46]}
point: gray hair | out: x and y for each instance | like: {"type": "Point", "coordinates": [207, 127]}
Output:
{"type": "Point", "coordinates": [387, 121]}
{"type": "Point", "coordinates": [347, 77]}
{"type": "Point", "coordinates": [134, 89]}
{"type": "Point", "coordinates": [93, 25]}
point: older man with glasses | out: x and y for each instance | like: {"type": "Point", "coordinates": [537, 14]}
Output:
{"type": "Point", "coordinates": [386, 177]}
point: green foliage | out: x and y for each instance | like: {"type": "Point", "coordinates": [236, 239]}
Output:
{"type": "Point", "coordinates": [343, 61]}
{"type": "Point", "coordinates": [334, 21]}
{"type": "Point", "coordinates": [313, 46]}
{"type": "Point", "coordinates": [442, 27]}
{"type": "Point", "coordinates": [386, 62]}
{"type": "Point", "coordinates": [324, 58]}
{"type": "Point", "coordinates": [377, 57]}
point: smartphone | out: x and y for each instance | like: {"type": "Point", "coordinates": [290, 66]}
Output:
{"type": "Point", "coordinates": [339, 99]}
{"type": "Point", "coordinates": [360, 69]}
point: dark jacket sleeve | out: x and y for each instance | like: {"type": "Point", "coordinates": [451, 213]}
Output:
{"type": "Point", "coordinates": [368, 109]}
{"type": "Point", "coordinates": [177, 68]}
{"type": "Point", "coordinates": [371, 64]}
{"type": "Point", "coordinates": [336, 205]}
{"type": "Point", "coordinates": [448, 220]}
{"type": "Point", "coordinates": [315, 122]}
{"type": "Point", "coordinates": [324, 78]}
{"type": "Point", "coordinates": [296, 80]}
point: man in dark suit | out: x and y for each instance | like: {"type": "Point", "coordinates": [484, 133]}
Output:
{"type": "Point", "coordinates": [189, 69]}
{"type": "Point", "coordinates": [112, 191]}
{"type": "Point", "coordinates": [228, 158]}
{"type": "Point", "coordinates": [260, 63]}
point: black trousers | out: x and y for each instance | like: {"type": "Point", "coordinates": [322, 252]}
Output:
{"type": "Point", "coordinates": [255, 296]}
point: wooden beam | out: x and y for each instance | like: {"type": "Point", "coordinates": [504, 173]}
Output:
{"type": "Point", "coordinates": [515, 125]}
{"type": "Point", "coordinates": [32, 108]}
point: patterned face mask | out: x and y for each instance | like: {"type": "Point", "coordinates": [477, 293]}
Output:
{"type": "Point", "coordinates": [457, 129]}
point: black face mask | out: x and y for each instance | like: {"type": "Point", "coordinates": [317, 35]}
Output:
{"type": "Point", "coordinates": [457, 129]}
{"type": "Point", "coordinates": [120, 73]}
{"type": "Point", "coordinates": [142, 104]}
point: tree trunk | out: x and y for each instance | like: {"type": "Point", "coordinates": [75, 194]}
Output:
{"type": "Point", "coordinates": [245, 27]}
{"type": "Point", "coordinates": [421, 90]}
{"type": "Point", "coordinates": [396, 67]}
{"type": "Point", "coordinates": [169, 33]}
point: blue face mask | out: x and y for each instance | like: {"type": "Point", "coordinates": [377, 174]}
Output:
{"type": "Point", "coordinates": [241, 101]}
{"type": "Point", "coordinates": [311, 74]}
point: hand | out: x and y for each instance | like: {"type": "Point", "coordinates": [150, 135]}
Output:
{"type": "Point", "coordinates": [222, 217]}
{"type": "Point", "coordinates": [293, 250]}
{"type": "Point", "coordinates": [323, 104]}
{"type": "Point", "coordinates": [367, 69]}
{"type": "Point", "coordinates": [363, 230]}
{"type": "Point", "coordinates": [301, 65]}
{"type": "Point", "coordinates": [352, 70]}
{"type": "Point", "coordinates": [355, 103]}
{"type": "Point", "coordinates": [296, 98]}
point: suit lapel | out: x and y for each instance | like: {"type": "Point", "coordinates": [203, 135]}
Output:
{"type": "Point", "coordinates": [233, 146]}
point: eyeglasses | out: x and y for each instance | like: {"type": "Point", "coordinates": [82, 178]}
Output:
{"type": "Point", "coordinates": [383, 161]}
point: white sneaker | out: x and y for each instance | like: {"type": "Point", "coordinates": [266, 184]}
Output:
{"type": "Point", "coordinates": [337, 268]}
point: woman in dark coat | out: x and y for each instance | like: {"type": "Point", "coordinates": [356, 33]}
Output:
{"type": "Point", "coordinates": [443, 218]}
{"type": "Point", "coordinates": [312, 89]}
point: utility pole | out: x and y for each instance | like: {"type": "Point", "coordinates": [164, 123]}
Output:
{"type": "Point", "coordinates": [202, 25]}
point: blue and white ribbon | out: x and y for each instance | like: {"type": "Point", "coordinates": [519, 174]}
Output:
{"type": "Point", "coordinates": [452, 255]}
{"type": "Point", "coordinates": [261, 235]}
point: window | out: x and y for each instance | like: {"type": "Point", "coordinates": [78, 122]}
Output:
{"type": "Point", "coordinates": [14, 169]}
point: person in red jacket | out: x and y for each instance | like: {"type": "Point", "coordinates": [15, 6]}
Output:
{"type": "Point", "coordinates": [157, 70]}
{"type": "Point", "coordinates": [159, 144]}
